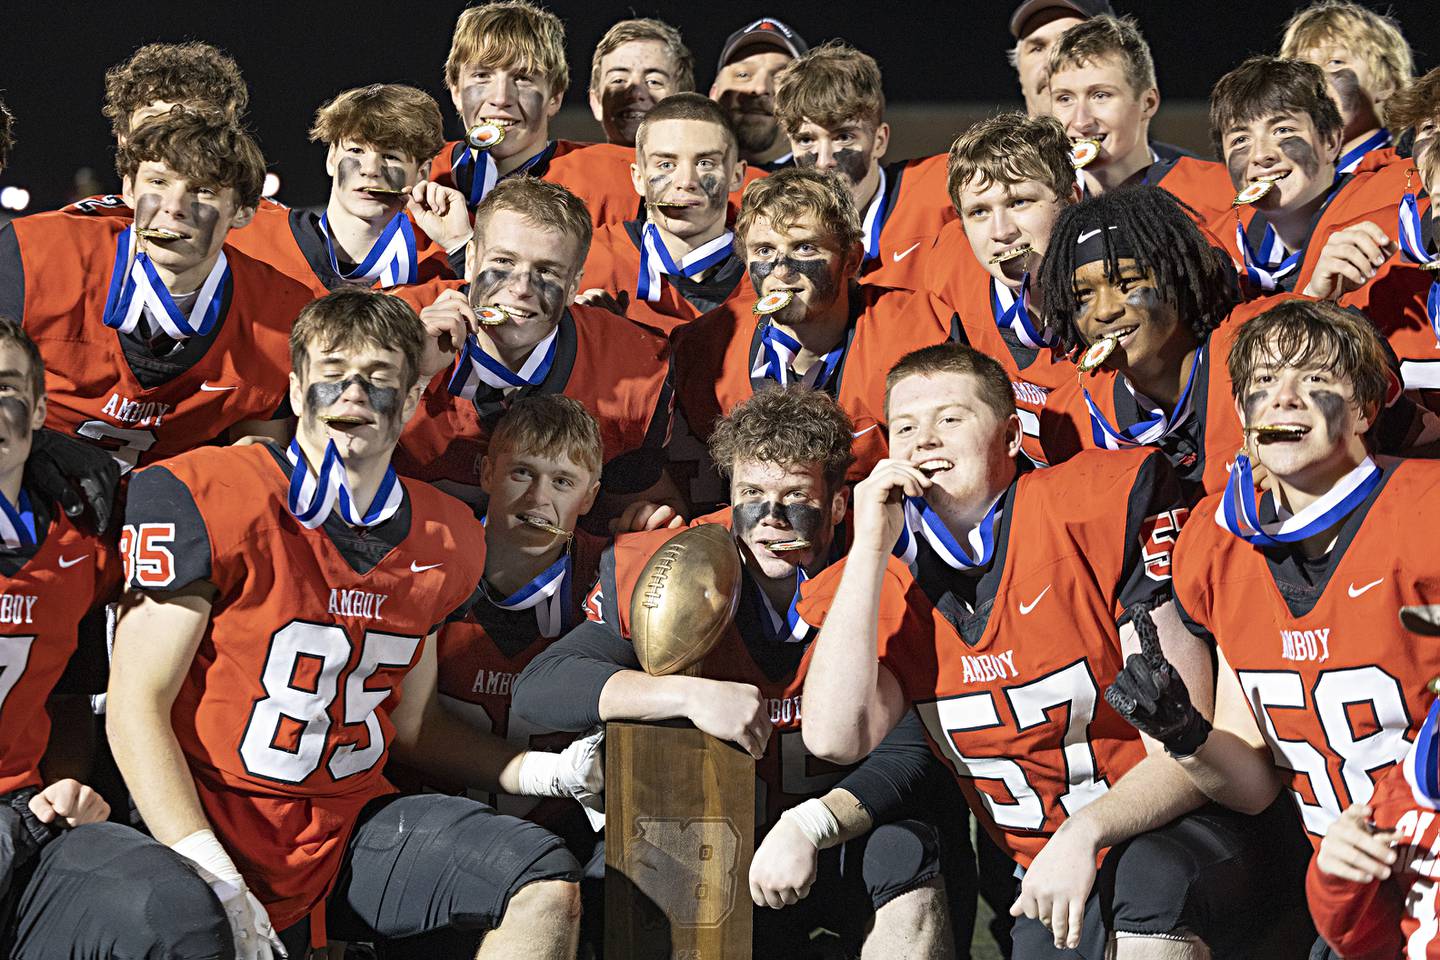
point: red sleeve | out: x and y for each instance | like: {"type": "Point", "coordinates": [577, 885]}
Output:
{"type": "Point", "coordinates": [1361, 921]}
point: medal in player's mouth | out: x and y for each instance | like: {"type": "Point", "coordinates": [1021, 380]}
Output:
{"type": "Point", "coordinates": [1268, 433]}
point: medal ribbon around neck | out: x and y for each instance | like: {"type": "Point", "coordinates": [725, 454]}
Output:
{"type": "Point", "coordinates": [1156, 426]}
{"type": "Point", "coordinates": [1422, 766]}
{"type": "Point", "coordinates": [1239, 511]}
{"type": "Point", "coordinates": [922, 521]}
{"type": "Point", "coordinates": [1351, 159]}
{"type": "Point", "coordinates": [134, 285]}
{"type": "Point", "coordinates": [656, 262]}
{"type": "Point", "coordinates": [311, 497]}
{"type": "Point", "coordinates": [546, 593]}
{"type": "Point", "coordinates": [1273, 264]}
{"type": "Point", "coordinates": [1012, 312]}
{"type": "Point", "coordinates": [485, 174]}
{"type": "Point", "coordinates": [392, 259]}
{"type": "Point", "coordinates": [778, 351]}
{"type": "Point", "coordinates": [787, 629]}
{"type": "Point", "coordinates": [17, 523]}
{"type": "Point", "coordinates": [875, 216]}
{"type": "Point", "coordinates": [474, 366]}
{"type": "Point", "coordinates": [1414, 248]}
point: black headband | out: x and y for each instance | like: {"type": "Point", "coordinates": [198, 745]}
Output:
{"type": "Point", "coordinates": [1101, 243]}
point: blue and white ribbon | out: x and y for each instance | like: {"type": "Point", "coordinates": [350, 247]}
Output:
{"type": "Point", "coordinates": [1155, 426]}
{"type": "Point", "coordinates": [1012, 312]}
{"type": "Point", "coordinates": [1239, 511]}
{"type": "Point", "coordinates": [485, 174]}
{"type": "Point", "coordinates": [778, 351]}
{"type": "Point", "coordinates": [1350, 159]}
{"type": "Point", "coordinates": [474, 366]}
{"type": "Point", "coordinates": [17, 523]}
{"type": "Point", "coordinates": [392, 260]}
{"type": "Point", "coordinates": [1414, 249]}
{"type": "Point", "coordinates": [656, 262]}
{"type": "Point", "coordinates": [789, 628]}
{"type": "Point", "coordinates": [545, 594]}
{"type": "Point", "coordinates": [875, 216]}
{"type": "Point", "coordinates": [1422, 764]}
{"type": "Point", "coordinates": [313, 496]}
{"type": "Point", "coordinates": [135, 286]}
{"type": "Point", "coordinates": [922, 521]}
{"type": "Point", "coordinates": [1272, 264]}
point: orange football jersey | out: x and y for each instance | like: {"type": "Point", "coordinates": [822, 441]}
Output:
{"type": "Point", "coordinates": [1202, 185]}
{"type": "Point", "coordinates": [107, 387]}
{"type": "Point", "coordinates": [598, 173]}
{"type": "Point", "coordinates": [1337, 685]}
{"type": "Point", "coordinates": [904, 220]}
{"type": "Point", "coordinates": [41, 606]}
{"type": "Point", "coordinates": [1012, 696]}
{"type": "Point", "coordinates": [284, 717]}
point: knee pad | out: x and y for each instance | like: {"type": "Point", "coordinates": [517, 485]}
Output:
{"type": "Point", "coordinates": [898, 858]}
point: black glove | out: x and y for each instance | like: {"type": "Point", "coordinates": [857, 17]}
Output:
{"type": "Point", "coordinates": [1152, 697]}
{"type": "Point", "coordinates": [74, 474]}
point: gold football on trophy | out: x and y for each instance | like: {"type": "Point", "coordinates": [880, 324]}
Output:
{"type": "Point", "coordinates": [685, 599]}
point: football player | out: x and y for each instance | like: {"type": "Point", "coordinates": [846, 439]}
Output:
{"type": "Point", "coordinates": [1276, 125]}
{"type": "Point", "coordinates": [1009, 177]}
{"type": "Point", "coordinates": [785, 452]}
{"type": "Point", "coordinates": [679, 260]}
{"type": "Point", "coordinates": [636, 64]}
{"type": "Point", "coordinates": [60, 856]}
{"type": "Point", "coordinates": [745, 86]}
{"type": "Point", "coordinates": [157, 335]}
{"type": "Point", "coordinates": [262, 762]}
{"type": "Point", "coordinates": [157, 78]}
{"type": "Point", "coordinates": [507, 75]}
{"type": "Point", "coordinates": [1320, 688]}
{"type": "Point", "coordinates": [831, 105]}
{"type": "Point", "coordinates": [812, 324]}
{"type": "Point", "coordinates": [998, 603]}
{"type": "Point", "coordinates": [1366, 62]}
{"type": "Point", "coordinates": [1036, 25]}
{"type": "Point", "coordinates": [1102, 88]}
{"type": "Point", "coordinates": [512, 331]}
{"type": "Point", "coordinates": [377, 138]}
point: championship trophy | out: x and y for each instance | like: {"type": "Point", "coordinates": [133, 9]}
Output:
{"type": "Point", "coordinates": [679, 804]}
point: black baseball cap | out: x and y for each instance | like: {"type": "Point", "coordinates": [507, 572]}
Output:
{"type": "Point", "coordinates": [767, 31]}
{"type": "Point", "coordinates": [1082, 8]}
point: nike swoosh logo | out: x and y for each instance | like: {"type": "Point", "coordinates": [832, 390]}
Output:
{"type": "Point", "coordinates": [213, 388]}
{"type": "Point", "coordinates": [1355, 592]}
{"type": "Point", "coordinates": [71, 561]}
{"type": "Point", "coordinates": [1025, 608]}
{"type": "Point", "coordinates": [417, 568]}
{"type": "Point", "coordinates": [861, 433]}
{"type": "Point", "coordinates": [1086, 235]}
{"type": "Point", "coordinates": [901, 256]}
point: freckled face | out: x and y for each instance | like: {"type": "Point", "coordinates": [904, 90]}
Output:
{"type": "Point", "coordinates": [202, 214]}
{"type": "Point", "coordinates": [853, 148]}
{"type": "Point", "coordinates": [689, 162]}
{"type": "Point", "coordinates": [1095, 101]}
{"type": "Point", "coordinates": [633, 78]}
{"type": "Point", "coordinates": [774, 503]}
{"type": "Point", "coordinates": [1003, 216]}
{"type": "Point", "coordinates": [355, 166]}
{"type": "Point", "coordinates": [803, 259]}
{"type": "Point", "coordinates": [1129, 304]}
{"type": "Point", "coordinates": [517, 97]}
{"type": "Point", "coordinates": [1285, 145]}
{"type": "Point", "coordinates": [530, 271]}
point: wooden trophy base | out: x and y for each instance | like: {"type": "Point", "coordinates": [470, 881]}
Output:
{"type": "Point", "coordinates": [679, 834]}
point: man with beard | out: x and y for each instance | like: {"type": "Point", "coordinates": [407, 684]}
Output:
{"type": "Point", "coordinates": [279, 642]}
{"type": "Point", "coordinates": [837, 849]}
{"type": "Point", "coordinates": [512, 331]}
{"type": "Point", "coordinates": [831, 105]}
{"type": "Point", "coordinates": [811, 324]}
{"type": "Point", "coordinates": [745, 86]}
{"type": "Point", "coordinates": [678, 261]}
{"type": "Point", "coordinates": [636, 64]}
{"type": "Point", "coordinates": [507, 75]}
{"type": "Point", "coordinates": [1366, 62]}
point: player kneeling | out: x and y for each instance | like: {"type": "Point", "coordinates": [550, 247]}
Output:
{"type": "Point", "coordinates": [278, 640]}
{"type": "Point", "coordinates": [786, 452]}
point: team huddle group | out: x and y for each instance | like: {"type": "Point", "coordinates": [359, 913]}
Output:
{"type": "Point", "coordinates": [1081, 485]}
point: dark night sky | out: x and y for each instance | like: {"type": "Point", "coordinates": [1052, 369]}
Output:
{"type": "Point", "coordinates": [296, 55]}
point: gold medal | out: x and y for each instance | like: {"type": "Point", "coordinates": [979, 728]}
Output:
{"type": "Point", "coordinates": [1097, 353]}
{"type": "Point", "coordinates": [1432, 266]}
{"type": "Point", "coordinates": [1434, 685]}
{"type": "Point", "coordinates": [545, 525]}
{"type": "Point", "coordinates": [492, 315]}
{"type": "Point", "coordinates": [1084, 152]}
{"type": "Point", "coordinates": [1273, 432]}
{"type": "Point", "coordinates": [1023, 250]}
{"type": "Point", "coordinates": [786, 546]}
{"type": "Point", "coordinates": [158, 234]}
{"type": "Point", "coordinates": [773, 302]}
{"type": "Point", "coordinates": [1255, 191]}
{"type": "Point", "coordinates": [485, 134]}
{"type": "Point", "coordinates": [340, 420]}
{"type": "Point", "coordinates": [387, 191]}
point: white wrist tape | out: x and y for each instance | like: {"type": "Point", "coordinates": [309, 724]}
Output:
{"type": "Point", "coordinates": [202, 849]}
{"type": "Point", "coordinates": [539, 774]}
{"type": "Point", "coordinates": [815, 821]}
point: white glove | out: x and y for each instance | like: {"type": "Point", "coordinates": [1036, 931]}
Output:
{"type": "Point", "coordinates": [577, 771]}
{"type": "Point", "coordinates": [255, 938]}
